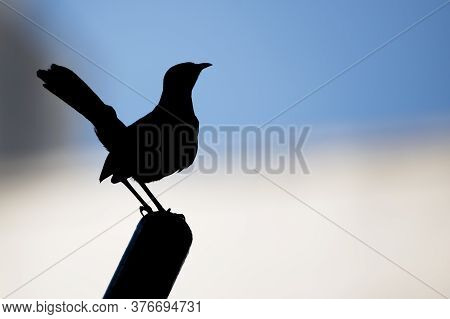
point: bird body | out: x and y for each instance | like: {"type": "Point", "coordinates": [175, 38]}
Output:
{"type": "Point", "coordinates": [157, 145]}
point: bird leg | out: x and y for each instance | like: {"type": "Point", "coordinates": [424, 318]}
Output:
{"type": "Point", "coordinates": [153, 198]}
{"type": "Point", "coordinates": [144, 206]}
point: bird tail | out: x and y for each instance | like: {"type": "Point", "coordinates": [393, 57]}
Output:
{"type": "Point", "coordinates": [66, 85]}
{"type": "Point", "coordinates": [108, 168]}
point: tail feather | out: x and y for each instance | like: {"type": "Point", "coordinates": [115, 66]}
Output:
{"type": "Point", "coordinates": [66, 85]}
{"type": "Point", "coordinates": [107, 168]}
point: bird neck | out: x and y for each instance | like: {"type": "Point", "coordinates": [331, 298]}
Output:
{"type": "Point", "coordinates": [179, 103]}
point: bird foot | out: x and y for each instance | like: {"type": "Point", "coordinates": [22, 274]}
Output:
{"type": "Point", "coordinates": [148, 209]}
{"type": "Point", "coordinates": [164, 211]}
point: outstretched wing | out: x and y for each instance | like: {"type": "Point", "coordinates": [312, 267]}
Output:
{"type": "Point", "coordinates": [66, 85]}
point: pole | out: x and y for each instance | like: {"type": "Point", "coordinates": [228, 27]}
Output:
{"type": "Point", "coordinates": [153, 259]}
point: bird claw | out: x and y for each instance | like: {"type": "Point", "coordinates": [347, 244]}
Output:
{"type": "Point", "coordinates": [165, 211]}
{"type": "Point", "coordinates": [147, 209]}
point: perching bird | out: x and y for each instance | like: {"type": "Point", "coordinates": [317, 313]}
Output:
{"type": "Point", "coordinates": [157, 145]}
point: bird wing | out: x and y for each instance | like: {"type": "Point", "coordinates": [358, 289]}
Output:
{"type": "Point", "coordinates": [66, 85]}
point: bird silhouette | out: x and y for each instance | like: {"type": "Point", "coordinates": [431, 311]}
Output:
{"type": "Point", "coordinates": [157, 145]}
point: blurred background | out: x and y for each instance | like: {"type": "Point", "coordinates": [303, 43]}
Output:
{"type": "Point", "coordinates": [378, 151]}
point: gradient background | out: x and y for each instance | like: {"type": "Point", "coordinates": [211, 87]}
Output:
{"type": "Point", "coordinates": [378, 150]}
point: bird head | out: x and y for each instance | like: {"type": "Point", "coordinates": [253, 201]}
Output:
{"type": "Point", "coordinates": [182, 77]}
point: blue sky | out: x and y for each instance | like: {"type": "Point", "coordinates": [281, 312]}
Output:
{"type": "Point", "coordinates": [266, 55]}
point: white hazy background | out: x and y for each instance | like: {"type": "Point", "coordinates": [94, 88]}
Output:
{"type": "Point", "coordinates": [378, 150]}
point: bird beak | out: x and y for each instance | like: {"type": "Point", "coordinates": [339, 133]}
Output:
{"type": "Point", "coordinates": [204, 65]}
